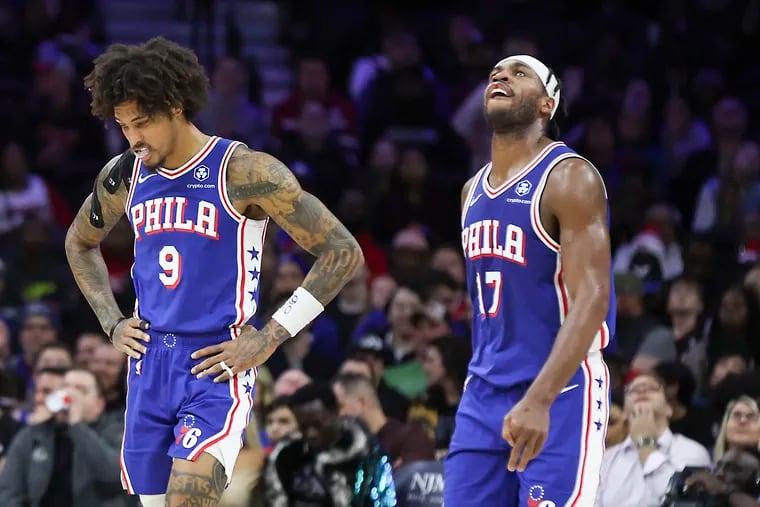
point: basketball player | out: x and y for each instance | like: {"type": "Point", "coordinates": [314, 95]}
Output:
{"type": "Point", "coordinates": [199, 207]}
{"type": "Point", "coordinates": [531, 423]}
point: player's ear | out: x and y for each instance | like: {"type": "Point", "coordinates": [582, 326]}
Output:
{"type": "Point", "coordinates": [547, 105]}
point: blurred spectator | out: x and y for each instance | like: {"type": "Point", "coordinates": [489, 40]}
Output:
{"type": "Point", "coordinates": [316, 154]}
{"type": "Point", "coordinates": [686, 418]}
{"type": "Point", "coordinates": [734, 480]}
{"type": "Point", "coordinates": [335, 462]}
{"type": "Point", "coordinates": [69, 457]}
{"type": "Point", "coordinates": [289, 382]}
{"type": "Point", "coordinates": [353, 212]}
{"type": "Point", "coordinates": [5, 344]}
{"type": "Point", "coordinates": [445, 365]}
{"type": "Point", "coordinates": [369, 356]}
{"type": "Point", "coordinates": [350, 305]}
{"type": "Point", "coordinates": [729, 126]}
{"type": "Point", "coordinates": [736, 324]}
{"type": "Point", "coordinates": [280, 420]}
{"type": "Point", "coordinates": [38, 327]}
{"type": "Point", "coordinates": [86, 345]}
{"type": "Point", "coordinates": [740, 427]}
{"type": "Point", "coordinates": [752, 280]}
{"type": "Point", "coordinates": [410, 251]}
{"type": "Point", "coordinates": [734, 193]}
{"type": "Point", "coordinates": [381, 291]}
{"type": "Point", "coordinates": [229, 113]}
{"type": "Point", "coordinates": [405, 442]}
{"type": "Point", "coordinates": [109, 366]}
{"type": "Point", "coordinates": [653, 255]}
{"type": "Point", "coordinates": [651, 452]}
{"type": "Point", "coordinates": [23, 195]}
{"type": "Point", "coordinates": [63, 129]}
{"type": "Point", "coordinates": [634, 326]}
{"type": "Point", "coordinates": [54, 355]}
{"type": "Point", "coordinates": [40, 273]}
{"type": "Point", "coordinates": [682, 135]}
{"type": "Point", "coordinates": [313, 86]}
{"type": "Point", "coordinates": [411, 199]}
{"type": "Point", "coordinates": [686, 339]}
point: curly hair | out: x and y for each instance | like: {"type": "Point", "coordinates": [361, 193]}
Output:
{"type": "Point", "coordinates": [159, 75]}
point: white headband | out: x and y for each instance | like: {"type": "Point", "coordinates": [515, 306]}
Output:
{"type": "Point", "coordinates": [547, 77]}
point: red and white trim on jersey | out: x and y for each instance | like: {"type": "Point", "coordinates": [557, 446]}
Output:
{"type": "Point", "coordinates": [222, 183]}
{"type": "Point", "coordinates": [132, 185]}
{"type": "Point", "coordinates": [126, 482]}
{"type": "Point", "coordinates": [602, 338]}
{"type": "Point", "coordinates": [471, 191]}
{"type": "Point", "coordinates": [228, 438]}
{"type": "Point", "coordinates": [127, 205]}
{"type": "Point", "coordinates": [592, 441]}
{"type": "Point", "coordinates": [234, 334]}
{"type": "Point", "coordinates": [250, 248]}
{"type": "Point", "coordinates": [495, 192]}
{"type": "Point", "coordinates": [190, 164]}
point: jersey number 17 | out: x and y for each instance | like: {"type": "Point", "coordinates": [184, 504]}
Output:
{"type": "Point", "coordinates": [493, 280]}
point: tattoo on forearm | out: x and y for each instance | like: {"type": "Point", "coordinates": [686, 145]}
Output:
{"type": "Point", "coordinates": [82, 251]}
{"type": "Point", "coordinates": [270, 184]}
{"type": "Point", "coordinates": [195, 490]}
{"type": "Point", "coordinates": [91, 275]}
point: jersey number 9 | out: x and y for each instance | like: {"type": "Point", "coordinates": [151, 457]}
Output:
{"type": "Point", "coordinates": [171, 262]}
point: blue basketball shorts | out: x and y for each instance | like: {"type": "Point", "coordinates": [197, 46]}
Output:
{"type": "Point", "coordinates": [172, 414]}
{"type": "Point", "coordinates": [565, 473]}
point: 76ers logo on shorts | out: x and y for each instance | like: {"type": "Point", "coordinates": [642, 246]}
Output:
{"type": "Point", "coordinates": [187, 434]}
{"type": "Point", "coordinates": [536, 497]}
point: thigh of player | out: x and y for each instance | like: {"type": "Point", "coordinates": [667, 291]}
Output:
{"type": "Point", "coordinates": [208, 438]}
{"type": "Point", "coordinates": [566, 472]}
{"type": "Point", "coordinates": [475, 470]}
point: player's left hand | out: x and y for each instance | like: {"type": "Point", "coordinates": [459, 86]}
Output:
{"type": "Point", "coordinates": [238, 355]}
{"type": "Point", "coordinates": [525, 428]}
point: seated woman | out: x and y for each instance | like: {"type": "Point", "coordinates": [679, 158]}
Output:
{"type": "Point", "coordinates": [740, 427]}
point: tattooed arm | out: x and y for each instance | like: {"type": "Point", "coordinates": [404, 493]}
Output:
{"type": "Point", "coordinates": [89, 269]}
{"type": "Point", "coordinates": [260, 184]}
{"type": "Point", "coordinates": [260, 180]}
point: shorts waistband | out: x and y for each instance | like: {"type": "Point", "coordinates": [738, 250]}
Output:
{"type": "Point", "coordinates": [166, 339]}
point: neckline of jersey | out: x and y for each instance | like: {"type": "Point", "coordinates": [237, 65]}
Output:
{"type": "Point", "coordinates": [194, 160]}
{"type": "Point", "coordinates": [495, 192]}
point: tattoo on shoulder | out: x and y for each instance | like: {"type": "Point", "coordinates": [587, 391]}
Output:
{"type": "Point", "coordinates": [195, 490]}
{"type": "Point", "coordinates": [254, 175]}
{"type": "Point", "coordinates": [262, 179]}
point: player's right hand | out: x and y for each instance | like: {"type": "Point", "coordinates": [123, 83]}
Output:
{"type": "Point", "coordinates": [128, 334]}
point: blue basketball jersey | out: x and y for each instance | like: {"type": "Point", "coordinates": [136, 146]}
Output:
{"type": "Point", "coordinates": [197, 260]}
{"type": "Point", "coordinates": [514, 274]}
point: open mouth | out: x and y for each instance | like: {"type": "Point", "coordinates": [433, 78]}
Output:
{"type": "Point", "coordinates": [500, 90]}
{"type": "Point", "coordinates": [142, 153]}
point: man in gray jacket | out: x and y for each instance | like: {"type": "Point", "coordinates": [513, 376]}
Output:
{"type": "Point", "coordinates": [70, 458]}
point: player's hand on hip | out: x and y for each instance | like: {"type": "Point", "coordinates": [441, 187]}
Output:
{"type": "Point", "coordinates": [525, 428]}
{"type": "Point", "coordinates": [231, 357]}
{"type": "Point", "coordinates": [128, 334]}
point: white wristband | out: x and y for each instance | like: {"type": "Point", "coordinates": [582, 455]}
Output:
{"type": "Point", "coordinates": [298, 311]}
